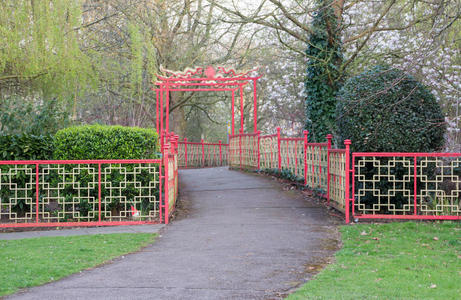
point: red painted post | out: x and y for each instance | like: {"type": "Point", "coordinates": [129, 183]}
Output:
{"type": "Point", "coordinates": [240, 148]}
{"type": "Point", "coordinates": [279, 155]}
{"type": "Point", "coordinates": [259, 151]}
{"type": "Point", "coordinates": [255, 107]}
{"type": "Point", "coordinates": [36, 193]}
{"type": "Point", "coordinates": [288, 157]}
{"type": "Point", "coordinates": [241, 109]}
{"type": "Point", "coordinates": [99, 192]}
{"type": "Point", "coordinates": [296, 157]}
{"type": "Point", "coordinates": [347, 171]}
{"type": "Point", "coordinates": [167, 110]}
{"type": "Point", "coordinates": [329, 138]}
{"type": "Point", "coordinates": [415, 186]}
{"type": "Point", "coordinates": [233, 111]}
{"type": "Point", "coordinates": [166, 152]}
{"type": "Point", "coordinates": [306, 133]}
{"type": "Point", "coordinates": [185, 151]}
{"type": "Point", "coordinates": [160, 187]}
{"type": "Point", "coordinates": [220, 154]}
{"type": "Point", "coordinates": [203, 153]}
{"type": "Point", "coordinates": [157, 119]}
{"type": "Point", "coordinates": [161, 112]}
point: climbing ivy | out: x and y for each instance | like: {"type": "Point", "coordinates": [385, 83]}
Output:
{"type": "Point", "coordinates": [323, 71]}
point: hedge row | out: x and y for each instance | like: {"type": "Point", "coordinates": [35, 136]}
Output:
{"type": "Point", "coordinates": [25, 147]}
{"type": "Point", "coordinates": [83, 142]}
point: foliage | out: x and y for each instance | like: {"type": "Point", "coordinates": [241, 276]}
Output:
{"type": "Point", "coordinates": [30, 262]}
{"type": "Point", "coordinates": [386, 110]}
{"type": "Point", "coordinates": [25, 147]}
{"type": "Point", "coordinates": [21, 147]}
{"type": "Point", "coordinates": [391, 261]}
{"type": "Point", "coordinates": [40, 48]}
{"type": "Point", "coordinates": [105, 142]}
{"type": "Point", "coordinates": [323, 73]}
{"type": "Point", "coordinates": [19, 115]}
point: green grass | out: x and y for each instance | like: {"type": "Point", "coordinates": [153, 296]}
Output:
{"type": "Point", "coordinates": [30, 262]}
{"type": "Point", "coordinates": [392, 261]}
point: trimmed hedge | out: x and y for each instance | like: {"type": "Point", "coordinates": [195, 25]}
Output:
{"type": "Point", "coordinates": [105, 142]}
{"type": "Point", "coordinates": [25, 147]}
{"type": "Point", "coordinates": [386, 110]}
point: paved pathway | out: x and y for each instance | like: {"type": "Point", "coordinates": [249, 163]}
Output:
{"type": "Point", "coordinates": [237, 236]}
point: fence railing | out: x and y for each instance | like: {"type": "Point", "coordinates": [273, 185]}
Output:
{"type": "Point", "coordinates": [406, 185]}
{"type": "Point", "coordinates": [244, 150]}
{"type": "Point", "coordinates": [39, 193]}
{"type": "Point", "coordinates": [199, 155]}
{"type": "Point", "coordinates": [361, 185]}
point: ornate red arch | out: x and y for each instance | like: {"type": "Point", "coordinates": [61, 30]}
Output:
{"type": "Point", "coordinates": [203, 80]}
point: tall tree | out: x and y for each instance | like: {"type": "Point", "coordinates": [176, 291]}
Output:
{"type": "Point", "coordinates": [323, 74]}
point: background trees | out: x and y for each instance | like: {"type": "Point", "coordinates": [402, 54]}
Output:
{"type": "Point", "coordinates": [97, 59]}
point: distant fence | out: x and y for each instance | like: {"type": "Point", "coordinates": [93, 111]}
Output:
{"type": "Point", "coordinates": [361, 185]}
{"type": "Point", "coordinates": [40, 193]}
{"type": "Point", "coordinates": [199, 155]}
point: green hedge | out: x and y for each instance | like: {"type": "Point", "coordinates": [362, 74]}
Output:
{"type": "Point", "coordinates": [105, 142]}
{"type": "Point", "coordinates": [387, 110]}
{"type": "Point", "coordinates": [25, 147]}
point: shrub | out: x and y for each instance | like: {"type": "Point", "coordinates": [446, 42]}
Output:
{"type": "Point", "coordinates": [386, 110]}
{"type": "Point", "coordinates": [105, 142]}
{"type": "Point", "coordinates": [25, 147]}
{"type": "Point", "coordinates": [19, 115]}
{"type": "Point", "coordinates": [15, 182]}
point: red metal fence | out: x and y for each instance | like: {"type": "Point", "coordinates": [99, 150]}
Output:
{"type": "Point", "coordinates": [89, 192]}
{"type": "Point", "coordinates": [406, 185]}
{"type": "Point", "coordinates": [199, 155]}
{"type": "Point", "coordinates": [361, 185]}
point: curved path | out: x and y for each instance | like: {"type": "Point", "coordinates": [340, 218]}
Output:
{"type": "Point", "coordinates": [236, 236]}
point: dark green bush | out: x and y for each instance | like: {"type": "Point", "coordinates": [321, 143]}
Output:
{"type": "Point", "coordinates": [21, 147]}
{"type": "Point", "coordinates": [20, 115]}
{"type": "Point", "coordinates": [105, 142]}
{"type": "Point", "coordinates": [386, 110]}
{"type": "Point", "coordinates": [25, 147]}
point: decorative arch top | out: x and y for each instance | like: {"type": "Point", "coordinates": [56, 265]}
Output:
{"type": "Point", "coordinates": [208, 73]}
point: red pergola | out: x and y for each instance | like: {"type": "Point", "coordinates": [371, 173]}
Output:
{"type": "Point", "coordinates": [203, 80]}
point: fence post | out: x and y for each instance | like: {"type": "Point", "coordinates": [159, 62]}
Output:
{"type": "Point", "coordinates": [279, 155]}
{"type": "Point", "coordinates": [37, 196]}
{"type": "Point", "coordinates": [185, 152]}
{"type": "Point", "coordinates": [99, 192]}
{"type": "Point", "coordinates": [176, 140]}
{"type": "Point", "coordinates": [240, 148]}
{"type": "Point", "coordinates": [347, 177]}
{"type": "Point", "coordinates": [259, 151]}
{"type": "Point", "coordinates": [203, 153]}
{"type": "Point", "coordinates": [306, 133]}
{"type": "Point", "coordinates": [166, 152]}
{"type": "Point", "coordinates": [220, 154]}
{"type": "Point", "coordinates": [329, 137]}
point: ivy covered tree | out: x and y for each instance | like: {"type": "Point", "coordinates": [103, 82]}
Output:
{"type": "Point", "coordinates": [323, 71]}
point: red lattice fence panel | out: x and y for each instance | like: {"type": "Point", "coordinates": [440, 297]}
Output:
{"type": "Point", "coordinates": [199, 155]}
{"type": "Point", "coordinates": [406, 185]}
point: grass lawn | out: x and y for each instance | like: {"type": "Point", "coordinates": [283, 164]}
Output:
{"type": "Point", "coordinates": [30, 262]}
{"type": "Point", "coordinates": [392, 261]}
